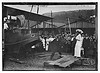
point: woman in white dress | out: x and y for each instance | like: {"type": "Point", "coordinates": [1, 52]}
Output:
{"type": "Point", "coordinates": [78, 45]}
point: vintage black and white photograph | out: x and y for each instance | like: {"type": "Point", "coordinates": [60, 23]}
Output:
{"type": "Point", "coordinates": [50, 36]}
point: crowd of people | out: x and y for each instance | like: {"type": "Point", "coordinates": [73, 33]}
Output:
{"type": "Point", "coordinates": [78, 44]}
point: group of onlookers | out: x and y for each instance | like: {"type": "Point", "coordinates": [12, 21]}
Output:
{"type": "Point", "coordinates": [78, 44]}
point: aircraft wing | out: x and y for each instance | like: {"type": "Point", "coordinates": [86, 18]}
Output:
{"type": "Point", "coordinates": [28, 15]}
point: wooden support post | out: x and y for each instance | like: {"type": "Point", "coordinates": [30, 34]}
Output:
{"type": "Point", "coordinates": [69, 25]}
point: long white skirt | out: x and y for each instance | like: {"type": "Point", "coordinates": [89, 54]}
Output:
{"type": "Point", "coordinates": [77, 51]}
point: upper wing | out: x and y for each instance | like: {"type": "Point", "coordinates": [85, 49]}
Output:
{"type": "Point", "coordinates": [28, 15]}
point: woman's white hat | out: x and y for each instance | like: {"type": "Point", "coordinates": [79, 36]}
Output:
{"type": "Point", "coordinates": [79, 30]}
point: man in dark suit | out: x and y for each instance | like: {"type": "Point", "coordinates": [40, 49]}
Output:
{"type": "Point", "coordinates": [54, 47]}
{"type": "Point", "coordinates": [86, 45]}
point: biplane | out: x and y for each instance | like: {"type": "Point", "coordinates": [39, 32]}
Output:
{"type": "Point", "coordinates": [19, 33]}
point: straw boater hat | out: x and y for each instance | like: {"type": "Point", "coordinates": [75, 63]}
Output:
{"type": "Point", "coordinates": [79, 30]}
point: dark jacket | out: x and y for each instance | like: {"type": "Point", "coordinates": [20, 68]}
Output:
{"type": "Point", "coordinates": [54, 46]}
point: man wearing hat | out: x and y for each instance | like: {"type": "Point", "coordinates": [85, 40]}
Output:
{"type": "Point", "coordinates": [78, 45]}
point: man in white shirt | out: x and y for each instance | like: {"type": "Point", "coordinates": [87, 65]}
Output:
{"type": "Point", "coordinates": [47, 42]}
{"type": "Point", "coordinates": [5, 26]}
{"type": "Point", "coordinates": [45, 45]}
{"type": "Point", "coordinates": [43, 41]}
